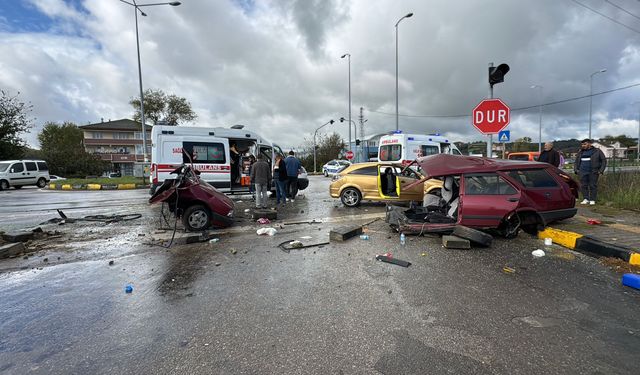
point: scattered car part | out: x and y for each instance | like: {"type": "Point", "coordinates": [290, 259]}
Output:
{"type": "Point", "coordinates": [473, 235]}
{"type": "Point", "coordinates": [390, 259]}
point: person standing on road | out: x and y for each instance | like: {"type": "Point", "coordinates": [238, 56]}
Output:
{"type": "Point", "coordinates": [261, 175]}
{"type": "Point", "coordinates": [280, 177]}
{"type": "Point", "coordinates": [550, 155]}
{"type": "Point", "coordinates": [590, 164]}
{"type": "Point", "coordinates": [292, 166]}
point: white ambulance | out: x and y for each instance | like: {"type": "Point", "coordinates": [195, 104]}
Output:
{"type": "Point", "coordinates": [405, 148]}
{"type": "Point", "coordinates": [210, 150]}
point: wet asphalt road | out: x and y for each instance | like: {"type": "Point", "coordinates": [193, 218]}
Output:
{"type": "Point", "coordinates": [244, 306]}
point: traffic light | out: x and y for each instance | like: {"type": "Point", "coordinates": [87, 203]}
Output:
{"type": "Point", "coordinates": [342, 119]}
{"type": "Point", "coordinates": [357, 142]}
{"type": "Point", "coordinates": [496, 74]}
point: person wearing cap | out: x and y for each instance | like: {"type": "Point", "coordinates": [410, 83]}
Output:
{"type": "Point", "coordinates": [590, 164]}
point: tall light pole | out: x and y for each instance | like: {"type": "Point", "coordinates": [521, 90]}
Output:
{"type": "Point", "coordinates": [355, 134]}
{"type": "Point", "coordinates": [638, 150]}
{"type": "Point", "coordinates": [540, 119]}
{"type": "Point", "coordinates": [314, 142]}
{"type": "Point", "coordinates": [349, 56]}
{"type": "Point", "coordinates": [136, 9]}
{"type": "Point", "coordinates": [591, 95]}
{"type": "Point", "coordinates": [406, 16]}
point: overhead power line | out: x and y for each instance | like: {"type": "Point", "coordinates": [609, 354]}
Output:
{"type": "Point", "coordinates": [622, 9]}
{"type": "Point", "coordinates": [607, 17]}
{"type": "Point", "coordinates": [518, 108]}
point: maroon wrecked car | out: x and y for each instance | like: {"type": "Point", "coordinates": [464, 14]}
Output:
{"type": "Point", "coordinates": [504, 195]}
{"type": "Point", "coordinates": [199, 204]}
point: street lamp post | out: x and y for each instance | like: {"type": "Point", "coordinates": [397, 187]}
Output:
{"type": "Point", "coordinates": [314, 143]}
{"type": "Point", "coordinates": [348, 55]}
{"type": "Point", "coordinates": [406, 16]}
{"type": "Point", "coordinates": [591, 96]}
{"type": "Point", "coordinates": [136, 9]}
{"type": "Point", "coordinates": [540, 119]}
{"type": "Point", "coordinates": [355, 134]}
{"type": "Point", "coordinates": [638, 150]}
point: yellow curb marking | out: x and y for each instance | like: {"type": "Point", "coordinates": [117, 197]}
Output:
{"type": "Point", "coordinates": [94, 186]}
{"type": "Point", "coordinates": [561, 237]}
{"type": "Point", "coordinates": [52, 186]}
{"type": "Point", "coordinates": [126, 186]}
{"type": "Point", "coordinates": [66, 187]}
{"type": "Point", "coordinates": [635, 259]}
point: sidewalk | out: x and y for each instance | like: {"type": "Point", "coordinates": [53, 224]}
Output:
{"type": "Point", "coordinates": [618, 233]}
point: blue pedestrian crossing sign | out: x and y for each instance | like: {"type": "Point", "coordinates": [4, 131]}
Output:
{"type": "Point", "coordinates": [504, 136]}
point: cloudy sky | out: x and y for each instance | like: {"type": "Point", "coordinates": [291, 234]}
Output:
{"type": "Point", "coordinates": [275, 65]}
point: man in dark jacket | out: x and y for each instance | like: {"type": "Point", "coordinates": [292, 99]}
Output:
{"type": "Point", "coordinates": [293, 167]}
{"type": "Point", "coordinates": [550, 155]}
{"type": "Point", "coordinates": [261, 175]}
{"type": "Point", "coordinates": [590, 164]}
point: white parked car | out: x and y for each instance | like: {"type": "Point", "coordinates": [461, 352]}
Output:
{"type": "Point", "coordinates": [334, 166]}
{"type": "Point", "coordinates": [18, 173]}
{"type": "Point", "coordinates": [54, 178]}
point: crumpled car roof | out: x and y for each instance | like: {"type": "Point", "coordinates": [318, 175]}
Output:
{"type": "Point", "coordinates": [446, 164]}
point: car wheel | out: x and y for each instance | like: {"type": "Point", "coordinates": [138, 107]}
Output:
{"type": "Point", "coordinates": [350, 197]}
{"type": "Point", "coordinates": [18, 187]}
{"type": "Point", "coordinates": [4, 185]}
{"type": "Point", "coordinates": [41, 182]}
{"type": "Point", "coordinates": [511, 226]}
{"type": "Point", "coordinates": [473, 235]}
{"type": "Point", "coordinates": [326, 174]}
{"type": "Point", "coordinates": [196, 218]}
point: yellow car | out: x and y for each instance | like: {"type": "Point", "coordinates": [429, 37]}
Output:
{"type": "Point", "coordinates": [380, 182]}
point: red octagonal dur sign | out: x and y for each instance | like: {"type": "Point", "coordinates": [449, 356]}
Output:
{"type": "Point", "coordinates": [491, 116]}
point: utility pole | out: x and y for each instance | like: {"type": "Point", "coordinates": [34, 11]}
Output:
{"type": "Point", "coordinates": [364, 148]}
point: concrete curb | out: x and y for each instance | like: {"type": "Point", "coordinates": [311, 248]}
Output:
{"type": "Point", "coordinates": [588, 244]}
{"type": "Point", "coordinates": [97, 187]}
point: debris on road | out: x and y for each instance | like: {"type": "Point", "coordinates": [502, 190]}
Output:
{"type": "Point", "coordinates": [11, 249]}
{"type": "Point", "coordinates": [286, 245]}
{"type": "Point", "coordinates": [214, 240]}
{"type": "Point", "coordinates": [631, 280]}
{"type": "Point", "coordinates": [345, 232]}
{"type": "Point", "coordinates": [128, 289]}
{"type": "Point", "coordinates": [18, 236]}
{"type": "Point", "coordinates": [364, 237]}
{"type": "Point", "coordinates": [548, 241]}
{"type": "Point", "coordinates": [455, 242]}
{"type": "Point", "coordinates": [63, 219]}
{"type": "Point", "coordinates": [111, 262]}
{"type": "Point", "coordinates": [264, 213]}
{"type": "Point", "coordinates": [388, 258]}
{"type": "Point", "coordinates": [594, 221]}
{"type": "Point", "coordinates": [473, 235]}
{"type": "Point", "coordinates": [538, 253]}
{"type": "Point", "coordinates": [263, 220]}
{"type": "Point", "coordinates": [508, 270]}
{"type": "Point", "coordinates": [266, 231]}
{"type": "Point", "coordinates": [295, 244]}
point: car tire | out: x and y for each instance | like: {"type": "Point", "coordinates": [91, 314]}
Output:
{"type": "Point", "coordinates": [326, 174]}
{"type": "Point", "coordinates": [351, 197]}
{"type": "Point", "coordinates": [4, 185]}
{"type": "Point", "coordinates": [473, 235]}
{"type": "Point", "coordinates": [41, 183]}
{"type": "Point", "coordinates": [196, 218]}
{"type": "Point", "coordinates": [17, 187]}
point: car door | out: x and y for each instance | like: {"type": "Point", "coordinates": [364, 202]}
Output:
{"type": "Point", "coordinates": [406, 177]}
{"type": "Point", "coordinates": [31, 169]}
{"type": "Point", "coordinates": [485, 199]}
{"type": "Point", "coordinates": [388, 187]}
{"type": "Point", "coordinates": [543, 191]}
{"type": "Point", "coordinates": [17, 174]}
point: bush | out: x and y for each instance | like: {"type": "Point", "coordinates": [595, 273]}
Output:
{"type": "Point", "coordinates": [622, 189]}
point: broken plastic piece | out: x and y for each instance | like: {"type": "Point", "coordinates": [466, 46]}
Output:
{"type": "Point", "coordinates": [594, 221]}
{"type": "Point", "coordinates": [266, 231]}
{"type": "Point", "coordinates": [264, 220]}
{"type": "Point", "coordinates": [508, 270]}
{"type": "Point", "coordinates": [128, 289]}
{"type": "Point", "coordinates": [364, 236]}
{"type": "Point", "coordinates": [214, 240]}
{"type": "Point", "coordinates": [538, 253]}
{"type": "Point", "coordinates": [387, 259]}
{"type": "Point", "coordinates": [632, 280]}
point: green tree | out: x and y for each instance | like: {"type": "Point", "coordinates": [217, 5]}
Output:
{"type": "Point", "coordinates": [62, 147]}
{"type": "Point", "coordinates": [623, 139]}
{"type": "Point", "coordinates": [159, 106]}
{"type": "Point", "coordinates": [14, 120]}
{"type": "Point", "coordinates": [328, 148]}
{"type": "Point", "coordinates": [524, 144]}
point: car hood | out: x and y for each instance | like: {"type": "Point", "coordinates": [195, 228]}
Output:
{"type": "Point", "coordinates": [445, 164]}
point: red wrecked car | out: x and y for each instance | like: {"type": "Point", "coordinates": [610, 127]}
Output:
{"type": "Point", "coordinates": [481, 193]}
{"type": "Point", "coordinates": [199, 204]}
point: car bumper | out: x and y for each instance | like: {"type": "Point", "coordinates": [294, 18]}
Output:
{"type": "Point", "coordinates": [551, 216]}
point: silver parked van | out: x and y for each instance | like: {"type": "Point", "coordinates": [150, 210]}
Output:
{"type": "Point", "coordinates": [18, 173]}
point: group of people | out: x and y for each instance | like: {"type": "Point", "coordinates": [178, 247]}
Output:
{"type": "Point", "coordinates": [284, 173]}
{"type": "Point", "coordinates": [589, 165]}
